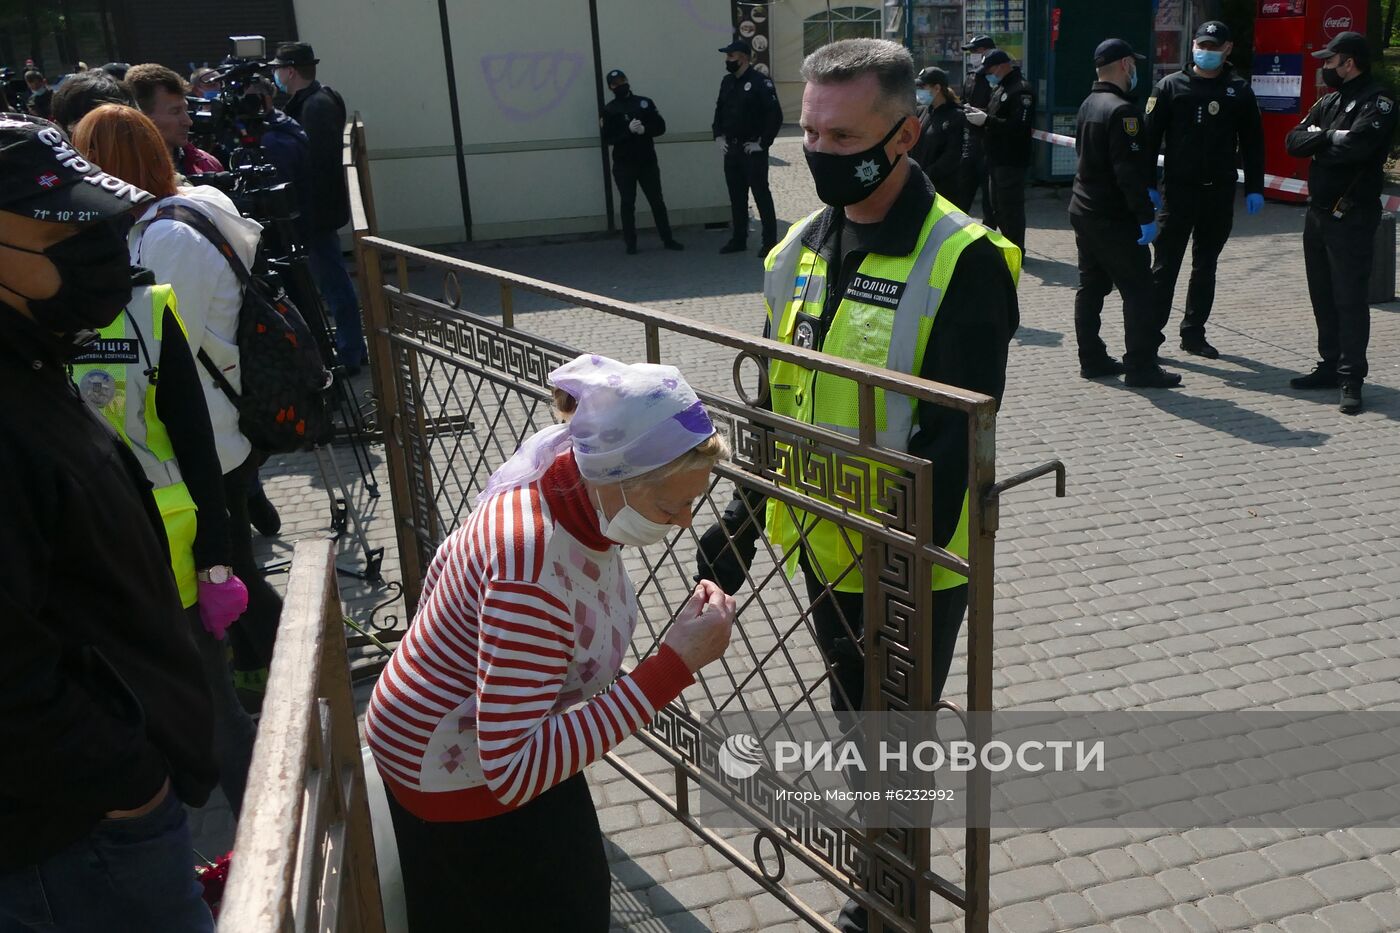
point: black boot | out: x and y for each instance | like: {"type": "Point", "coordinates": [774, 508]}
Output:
{"type": "Point", "coordinates": [734, 246]}
{"type": "Point", "coordinates": [1323, 376]}
{"type": "Point", "coordinates": [672, 245]}
{"type": "Point", "coordinates": [1197, 346]}
{"type": "Point", "coordinates": [1154, 378]}
{"type": "Point", "coordinates": [1351, 398]}
{"type": "Point", "coordinates": [1099, 369]}
{"type": "Point", "coordinates": [263, 514]}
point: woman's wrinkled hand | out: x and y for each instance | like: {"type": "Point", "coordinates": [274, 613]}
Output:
{"type": "Point", "coordinates": [701, 630]}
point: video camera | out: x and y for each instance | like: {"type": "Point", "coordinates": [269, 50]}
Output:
{"type": "Point", "coordinates": [232, 119]}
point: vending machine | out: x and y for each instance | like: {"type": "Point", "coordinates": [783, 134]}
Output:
{"type": "Point", "coordinates": [1287, 79]}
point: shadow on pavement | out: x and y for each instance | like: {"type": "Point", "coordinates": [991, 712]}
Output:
{"type": "Point", "coordinates": [649, 909]}
{"type": "Point", "coordinates": [1035, 337]}
{"type": "Point", "coordinates": [1052, 272]}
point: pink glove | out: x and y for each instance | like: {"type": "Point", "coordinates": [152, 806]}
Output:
{"type": "Point", "coordinates": [220, 605]}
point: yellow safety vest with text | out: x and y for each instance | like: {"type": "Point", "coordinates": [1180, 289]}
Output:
{"type": "Point", "coordinates": [884, 320]}
{"type": "Point", "coordinates": [114, 377]}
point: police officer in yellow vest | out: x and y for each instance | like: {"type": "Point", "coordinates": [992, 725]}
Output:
{"type": "Point", "coordinates": [139, 375]}
{"type": "Point", "coordinates": [892, 275]}
{"type": "Point", "coordinates": [889, 274]}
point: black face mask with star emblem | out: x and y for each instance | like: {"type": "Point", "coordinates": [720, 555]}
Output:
{"type": "Point", "coordinates": [843, 180]}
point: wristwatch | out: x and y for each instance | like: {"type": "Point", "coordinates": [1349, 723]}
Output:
{"type": "Point", "coordinates": [219, 573]}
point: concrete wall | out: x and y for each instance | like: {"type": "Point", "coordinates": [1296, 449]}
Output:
{"type": "Point", "coordinates": [526, 85]}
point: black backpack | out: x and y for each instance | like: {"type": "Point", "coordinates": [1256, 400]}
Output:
{"type": "Point", "coordinates": [284, 406]}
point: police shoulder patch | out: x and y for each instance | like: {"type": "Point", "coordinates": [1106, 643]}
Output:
{"type": "Point", "coordinates": [1130, 125]}
{"type": "Point", "coordinates": [1383, 104]}
{"type": "Point", "coordinates": [1151, 102]}
{"type": "Point", "coordinates": [748, 86]}
{"type": "Point", "coordinates": [644, 103]}
{"type": "Point", "coordinates": [1025, 100]}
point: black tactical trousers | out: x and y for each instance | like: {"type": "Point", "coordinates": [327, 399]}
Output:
{"type": "Point", "coordinates": [1007, 185]}
{"type": "Point", "coordinates": [1337, 254]}
{"type": "Point", "coordinates": [648, 175]}
{"type": "Point", "coordinates": [1110, 258]}
{"type": "Point", "coordinates": [1203, 215]}
{"type": "Point", "coordinates": [745, 172]}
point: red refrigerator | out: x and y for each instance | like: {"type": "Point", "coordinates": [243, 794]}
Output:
{"type": "Point", "coordinates": [1286, 78]}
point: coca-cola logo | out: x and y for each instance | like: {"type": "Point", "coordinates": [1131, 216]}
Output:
{"type": "Point", "coordinates": [1270, 9]}
{"type": "Point", "coordinates": [1336, 20]}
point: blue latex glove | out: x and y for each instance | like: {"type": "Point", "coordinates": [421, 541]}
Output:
{"type": "Point", "coordinates": [1254, 203]}
{"type": "Point", "coordinates": [1156, 197]}
{"type": "Point", "coordinates": [1149, 233]}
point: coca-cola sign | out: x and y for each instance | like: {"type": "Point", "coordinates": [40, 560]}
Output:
{"type": "Point", "coordinates": [1271, 9]}
{"type": "Point", "coordinates": [1336, 20]}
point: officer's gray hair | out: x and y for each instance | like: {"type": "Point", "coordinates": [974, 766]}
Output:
{"type": "Point", "coordinates": [848, 59]}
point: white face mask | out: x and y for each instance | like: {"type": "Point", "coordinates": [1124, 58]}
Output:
{"type": "Point", "coordinates": [629, 526]}
{"type": "Point", "coordinates": [975, 59]}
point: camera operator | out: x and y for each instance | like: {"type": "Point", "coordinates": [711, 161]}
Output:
{"type": "Point", "coordinates": [205, 83]}
{"type": "Point", "coordinates": [210, 298]}
{"type": "Point", "coordinates": [285, 143]}
{"type": "Point", "coordinates": [160, 94]}
{"type": "Point", "coordinates": [321, 112]}
{"type": "Point", "coordinates": [84, 92]}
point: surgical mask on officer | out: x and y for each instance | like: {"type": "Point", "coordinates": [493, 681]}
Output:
{"type": "Point", "coordinates": [975, 59]}
{"type": "Point", "coordinates": [843, 180]}
{"type": "Point", "coordinates": [95, 273]}
{"type": "Point", "coordinates": [1132, 78]}
{"type": "Point", "coordinates": [731, 66]}
{"type": "Point", "coordinates": [622, 90]}
{"type": "Point", "coordinates": [993, 78]}
{"type": "Point", "coordinates": [1332, 77]}
{"type": "Point", "coordinates": [1208, 59]}
{"type": "Point", "coordinates": [924, 96]}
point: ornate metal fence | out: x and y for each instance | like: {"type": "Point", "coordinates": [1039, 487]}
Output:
{"type": "Point", "coordinates": [462, 381]}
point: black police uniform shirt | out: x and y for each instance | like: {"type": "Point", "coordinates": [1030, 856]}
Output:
{"type": "Point", "coordinates": [942, 145]}
{"type": "Point", "coordinates": [747, 109]}
{"type": "Point", "coordinates": [1351, 170]}
{"type": "Point", "coordinates": [1010, 118]}
{"type": "Point", "coordinates": [1210, 127]}
{"type": "Point", "coordinates": [631, 148]}
{"type": "Point", "coordinates": [977, 90]}
{"type": "Point", "coordinates": [1115, 169]}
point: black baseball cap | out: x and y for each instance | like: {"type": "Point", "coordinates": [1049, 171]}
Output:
{"type": "Point", "coordinates": [295, 53]}
{"type": "Point", "coordinates": [739, 44]}
{"type": "Point", "coordinates": [614, 76]}
{"type": "Point", "coordinates": [42, 176]}
{"type": "Point", "coordinates": [1346, 43]}
{"type": "Point", "coordinates": [1112, 50]}
{"type": "Point", "coordinates": [931, 76]}
{"type": "Point", "coordinates": [979, 42]}
{"type": "Point", "coordinates": [994, 58]}
{"type": "Point", "coordinates": [1213, 31]}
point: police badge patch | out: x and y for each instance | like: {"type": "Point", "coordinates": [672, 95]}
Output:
{"type": "Point", "coordinates": [804, 336]}
{"type": "Point", "coordinates": [1130, 125]}
{"type": "Point", "coordinates": [1383, 104]}
{"type": "Point", "coordinates": [645, 103]}
{"type": "Point", "coordinates": [1214, 107]}
{"type": "Point", "coordinates": [1151, 102]}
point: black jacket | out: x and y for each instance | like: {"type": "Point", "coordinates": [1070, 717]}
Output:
{"type": "Point", "coordinates": [1210, 126]}
{"type": "Point", "coordinates": [1351, 167]}
{"type": "Point", "coordinates": [321, 112]}
{"type": "Point", "coordinates": [1010, 119]}
{"type": "Point", "coordinates": [1115, 169]}
{"type": "Point", "coordinates": [747, 109]}
{"type": "Point", "coordinates": [631, 148]}
{"type": "Point", "coordinates": [942, 147]}
{"type": "Point", "coordinates": [101, 691]}
{"type": "Point", "coordinates": [977, 90]}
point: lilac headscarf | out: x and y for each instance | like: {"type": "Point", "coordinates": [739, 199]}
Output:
{"type": "Point", "coordinates": [630, 420]}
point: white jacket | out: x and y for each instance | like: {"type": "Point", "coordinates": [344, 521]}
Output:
{"type": "Point", "coordinates": [208, 294]}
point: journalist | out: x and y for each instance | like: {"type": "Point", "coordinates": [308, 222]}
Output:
{"type": "Point", "coordinates": [104, 716]}
{"type": "Point", "coordinates": [83, 93]}
{"type": "Point", "coordinates": [141, 376]}
{"type": "Point", "coordinates": [160, 94]}
{"type": "Point", "coordinates": [285, 143]}
{"type": "Point", "coordinates": [321, 112]}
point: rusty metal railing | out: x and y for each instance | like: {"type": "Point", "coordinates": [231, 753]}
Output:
{"type": "Point", "coordinates": [303, 857]}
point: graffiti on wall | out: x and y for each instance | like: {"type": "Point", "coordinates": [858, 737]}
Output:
{"type": "Point", "coordinates": [525, 86]}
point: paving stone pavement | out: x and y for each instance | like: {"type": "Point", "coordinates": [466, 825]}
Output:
{"type": "Point", "coordinates": [1228, 545]}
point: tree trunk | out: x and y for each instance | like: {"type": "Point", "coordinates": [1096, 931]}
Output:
{"type": "Point", "coordinates": [1389, 23]}
{"type": "Point", "coordinates": [1375, 22]}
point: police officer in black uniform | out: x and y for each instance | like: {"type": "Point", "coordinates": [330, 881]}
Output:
{"type": "Point", "coordinates": [1114, 220]}
{"type": "Point", "coordinates": [977, 93]}
{"type": "Point", "coordinates": [630, 123]}
{"type": "Point", "coordinates": [747, 119]}
{"type": "Point", "coordinates": [943, 136]}
{"type": "Point", "coordinates": [1205, 114]}
{"type": "Point", "coordinates": [1346, 134]}
{"type": "Point", "coordinates": [1006, 130]}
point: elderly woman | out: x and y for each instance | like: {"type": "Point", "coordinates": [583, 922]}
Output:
{"type": "Point", "coordinates": [506, 685]}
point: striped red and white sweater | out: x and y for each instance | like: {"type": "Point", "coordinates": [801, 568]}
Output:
{"type": "Point", "coordinates": [504, 685]}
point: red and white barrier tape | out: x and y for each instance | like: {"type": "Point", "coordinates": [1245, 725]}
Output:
{"type": "Point", "coordinates": [1275, 182]}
